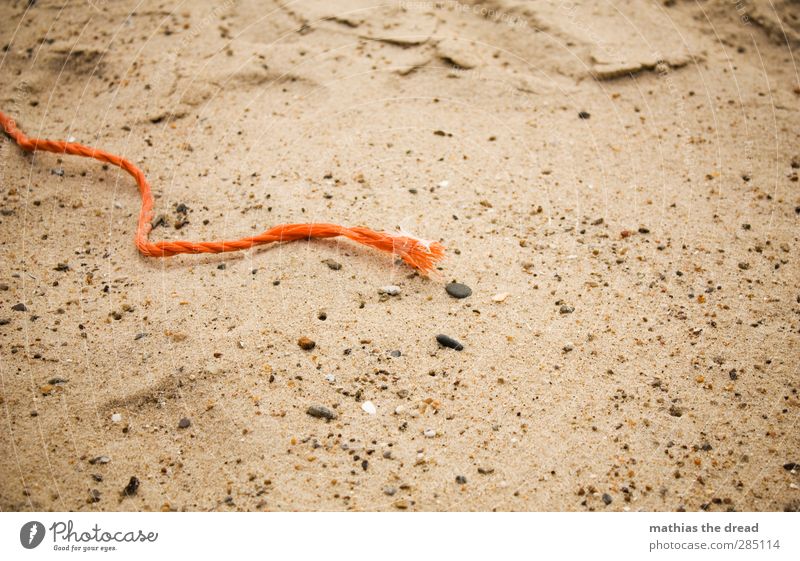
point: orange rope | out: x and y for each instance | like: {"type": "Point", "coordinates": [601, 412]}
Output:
{"type": "Point", "coordinates": [417, 253]}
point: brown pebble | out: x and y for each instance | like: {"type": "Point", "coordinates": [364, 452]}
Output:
{"type": "Point", "coordinates": [306, 344]}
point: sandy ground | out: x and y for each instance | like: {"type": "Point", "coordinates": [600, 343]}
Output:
{"type": "Point", "coordinates": [626, 171]}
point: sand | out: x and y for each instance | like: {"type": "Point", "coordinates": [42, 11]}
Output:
{"type": "Point", "coordinates": [626, 173]}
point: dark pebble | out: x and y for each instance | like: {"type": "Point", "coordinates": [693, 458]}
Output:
{"type": "Point", "coordinates": [566, 309]}
{"type": "Point", "coordinates": [458, 290]}
{"type": "Point", "coordinates": [19, 307]}
{"type": "Point", "coordinates": [461, 480]}
{"type": "Point", "coordinates": [790, 466]}
{"type": "Point", "coordinates": [333, 265]}
{"type": "Point", "coordinates": [184, 423]}
{"type": "Point", "coordinates": [321, 412]}
{"type": "Point", "coordinates": [607, 498]}
{"type": "Point", "coordinates": [583, 115]}
{"type": "Point", "coordinates": [131, 487]}
{"type": "Point", "coordinates": [449, 342]}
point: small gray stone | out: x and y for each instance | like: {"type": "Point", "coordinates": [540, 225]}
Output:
{"type": "Point", "coordinates": [458, 290]}
{"type": "Point", "coordinates": [321, 412]}
{"type": "Point", "coordinates": [184, 423]}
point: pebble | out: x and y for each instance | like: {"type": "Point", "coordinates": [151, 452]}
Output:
{"type": "Point", "coordinates": [461, 480]}
{"type": "Point", "coordinates": [458, 290]}
{"type": "Point", "coordinates": [333, 265]}
{"type": "Point", "coordinates": [131, 487]}
{"type": "Point", "coordinates": [449, 342]}
{"type": "Point", "coordinates": [369, 408]}
{"type": "Point", "coordinates": [116, 418]}
{"type": "Point", "coordinates": [607, 498]}
{"type": "Point", "coordinates": [330, 378]}
{"type": "Point", "coordinates": [583, 115]}
{"type": "Point", "coordinates": [184, 423]}
{"type": "Point", "coordinates": [306, 344]}
{"type": "Point", "coordinates": [389, 491]}
{"type": "Point", "coordinates": [321, 412]}
{"type": "Point", "coordinates": [444, 184]}
{"type": "Point", "coordinates": [500, 297]}
{"type": "Point", "coordinates": [100, 460]}
{"type": "Point", "coordinates": [429, 433]}
{"type": "Point", "coordinates": [19, 307]}
{"type": "Point", "coordinates": [391, 290]}
{"type": "Point", "coordinates": [566, 309]}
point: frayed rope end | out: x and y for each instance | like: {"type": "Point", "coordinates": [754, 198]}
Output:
{"type": "Point", "coordinates": [418, 254]}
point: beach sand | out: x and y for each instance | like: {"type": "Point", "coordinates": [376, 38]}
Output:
{"type": "Point", "coordinates": [617, 183]}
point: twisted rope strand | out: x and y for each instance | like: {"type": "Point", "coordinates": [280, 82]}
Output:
{"type": "Point", "coordinates": [417, 253]}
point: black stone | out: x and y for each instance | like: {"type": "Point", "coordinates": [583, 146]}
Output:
{"type": "Point", "coordinates": [131, 487]}
{"type": "Point", "coordinates": [449, 342]}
